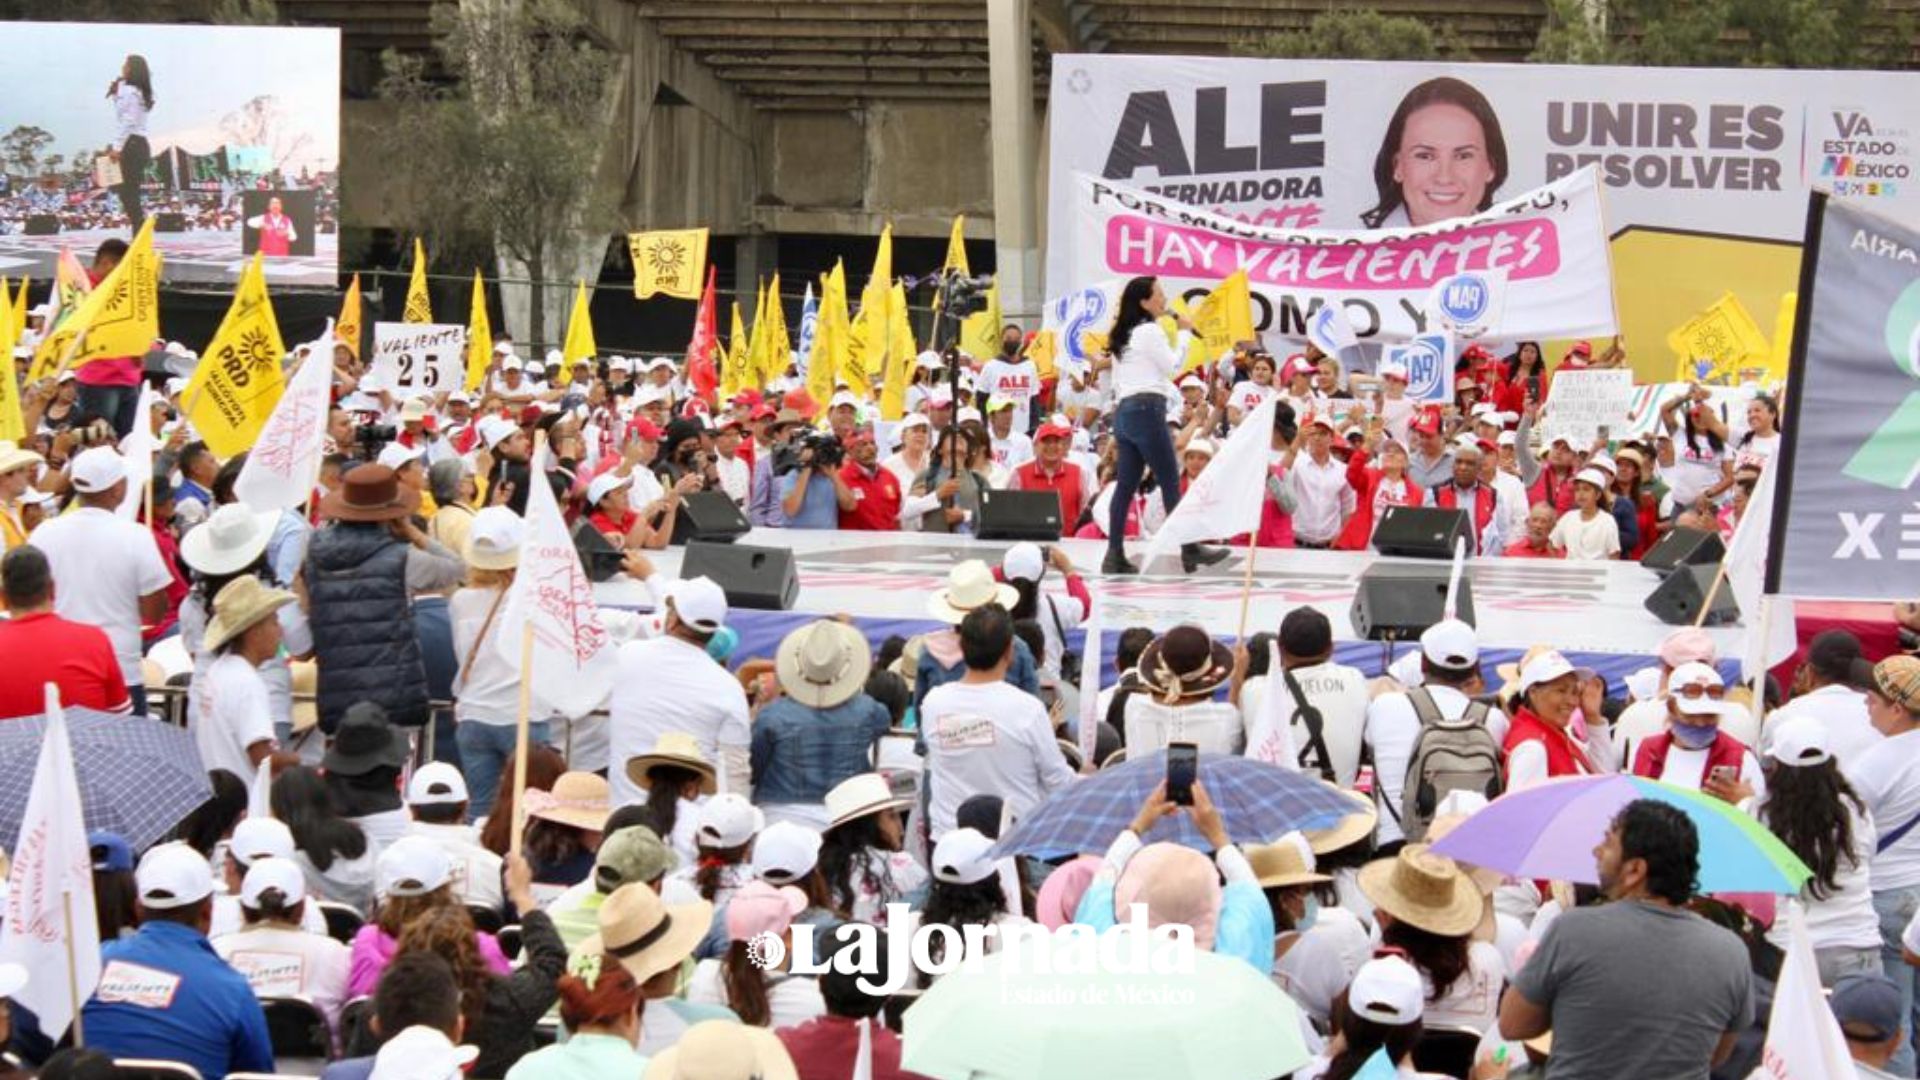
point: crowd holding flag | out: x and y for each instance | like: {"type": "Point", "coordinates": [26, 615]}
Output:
{"type": "Point", "coordinates": [419, 307]}
{"type": "Point", "coordinates": [479, 335]}
{"type": "Point", "coordinates": [238, 380]}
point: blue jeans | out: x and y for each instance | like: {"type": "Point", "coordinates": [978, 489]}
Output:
{"type": "Point", "coordinates": [117, 405]}
{"type": "Point", "coordinates": [1895, 908]}
{"type": "Point", "coordinates": [1140, 434]}
{"type": "Point", "coordinates": [484, 750]}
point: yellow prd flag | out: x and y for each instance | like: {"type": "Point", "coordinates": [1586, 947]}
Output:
{"type": "Point", "coordinates": [479, 336]}
{"type": "Point", "coordinates": [1782, 355]}
{"type": "Point", "coordinates": [238, 381]}
{"type": "Point", "coordinates": [757, 341]}
{"type": "Point", "coordinates": [832, 336]}
{"type": "Point", "coordinates": [867, 350]}
{"type": "Point", "coordinates": [1043, 350]}
{"type": "Point", "coordinates": [1224, 317]}
{"type": "Point", "coordinates": [579, 343]}
{"type": "Point", "coordinates": [346, 329]}
{"type": "Point", "coordinates": [902, 354]}
{"type": "Point", "coordinates": [70, 286]}
{"type": "Point", "coordinates": [980, 331]}
{"type": "Point", "coordinates": [957, 247]}
{"type": "Point", "coordinates": [121, 316]}
{"type": "Point", "coordinates": [668, 263]}
{"type": "Point", "coordinates": [735, 369]}
{"type": "Point", "coordinates": [779, 354]}
{"type": "Point", "coordinates": [1714, 345]}
{"type": "Point", "coordinates": [12, 426]}
{"type": "Point", "coordinates": [20, 310]}
{"type": "Point", "coordinates": [419, 307]}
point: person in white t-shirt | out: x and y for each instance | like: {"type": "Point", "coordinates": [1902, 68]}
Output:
{"type": "Point", "coordinates": [277, 957]}
{"type": "Point", "coordinates": [437, 797]}
{"type": "Point", "coordinates": [233, 726]}
{"type": "Point", "coordinates": [1823, 690]}
{"type": "Point", "coordinates": [985, 736]}
{"type": "Point", "coordinates": [1252, 392]}
{"type": "Point", "coordinates": [1013, 377]}
{"type": "Point", "coordinates": [1449, 677]}
{"type": "Point", "coordinates": [1012, 447]}
{"type": "Point", "coordinates": [1588, 531]}
{"type": "Point", "coordinates": [1693, 752]}
{"type": "Point", "coordinates": [668, 683]}
{"type": "Point", "coordinates": [1336, 691]}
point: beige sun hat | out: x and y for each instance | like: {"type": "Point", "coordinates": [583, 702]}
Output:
{"type": "Point", "coordinates": [676, 748]}
{"type": "Point", "coordinates": [723, 1050]}
{"type": "Point", "coordinates": [1351, 829]}
{"type": "Point", "coordinates": [13, 457]}
{"type": "Point", "coordinates": [858, 796]}
{"type": "Point", "coordinates": [1424, 890]}
{"type": "Point", "coordinates": [823, 664]}
{"type": "Point", "coordinates": [581, 800]}
{"type": "Point", "coordinates": [970, 585]}
{"type": "Point", "coordinates": [1286, 861]}
{"type": "Point", "coordinates": [243, 602]}
{"type": "Point", "coordinates": [644, 933]}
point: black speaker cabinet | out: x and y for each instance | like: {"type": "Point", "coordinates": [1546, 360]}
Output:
{"type": "Point", "coordinates": [170, 221]}
{"type": "Point", "coordinates": [598, 557]}
{"type": "Point", "coordinates": [1019, 515]}
{"type": "Point", "coordinates": [711, 516]}
{"type": "Point", "coordinates": [1422, 532]}
{"type": "Point", "coordinates": [1396, 602]}
{"type": "Point", "coordinates": [752, 577]}
{"type": "Point", "coordinates": [1678, 599]}
{"type": "Point", "coordinates": [42, 225]}
{"type": "Point", "coordinates": [1684, 547]}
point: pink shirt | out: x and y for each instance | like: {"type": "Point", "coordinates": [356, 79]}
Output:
{"type": "Point", "coordinates": [373, 950]}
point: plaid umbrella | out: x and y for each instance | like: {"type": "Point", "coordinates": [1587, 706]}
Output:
{"type": "Point", "coordinates": [1258, 802]}
{"type": "Point", "coordinates": [138, 777]}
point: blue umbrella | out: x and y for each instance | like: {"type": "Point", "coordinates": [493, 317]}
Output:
{"type": "Point", "coordinates": [138, 777]}
{"type": "Point", "coordinates": [1258, 802]}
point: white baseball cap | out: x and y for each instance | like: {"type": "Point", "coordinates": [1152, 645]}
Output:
{"type": "Point", "coordinates": [1604, 462]}
{"type": "Point", "coordinates": [1199, 445]}
{"type": "Point", "coordinates": [1450, 644]}
{"type": "Point", "coordinates": [1023, 560]}
{"type": "Point", "coordinates": [620, 363]}
{"type": "Point", "coordinates": [495, 430]}
{"type": "Point", "coordinates": [968, 413]}
{"type": "Point", "coordinates": [1593, 476]}
{"type": "Point", "coordinates": [395, 456]}
{"type": "Point", "coordinates": [1801, 741]}
{"type": "Point", "coordinates": [606, 484]}
{"type": "Point", "coordinates": [928, 359]}
{"type": "Point", "coordinates": [173, 876]}
{"type": "Point", "coordinates": [727, 821]}
{"type": "Point", "coordinates": [98, 469]}
{"type": "Point", "coordinates": [1695, 673]}
{"type": "Point", "coordinates": [1506, 438]}
{"type": "Point", "coordinates": [421, 1053]}
{"type": "Point", "coordinates": [960, 858]}
{"type": "Point", "coordinates": [512, 363]}
{"type": "Point", "coordinates": [413, 866]}
{"type": "Point", "coordinates": [1387, 990]}
{"type": "Point", "coordinates": [1544, 668]}
{"type": "Point", "coordinates": [699, 602]}
{"type": "Point", "coordinates": [436, 784]}
{"type": "Point", "coordinates": [282, 874]}
{"type": "Point", "coordinates": [785, 852]}
{"type": "Point", "coordinates": [914, 420]}
{"type": "Point", "coordinates": [844, 397]}
{"type": "Point", "coordinates": [257, 838]}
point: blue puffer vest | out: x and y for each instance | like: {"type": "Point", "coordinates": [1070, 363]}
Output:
{"type": "Point", "coordinates": [362, 619]}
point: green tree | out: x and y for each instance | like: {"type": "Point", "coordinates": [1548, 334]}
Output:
{"type": "Point", "coordinates": [20, 149]}
{"type": "Point", "coordinates": [1727, 33]}
{"type": "Point", "coordinates": [505, 152]}
{"type": "Point", "coordinates": [1361, 34]}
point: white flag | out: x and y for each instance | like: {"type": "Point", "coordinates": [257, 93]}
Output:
{"type": "Point", "coordinates": [285, 461]}
{"type": "Point", "coordinates": [138, 448]}
{"type": "Point", "coordinates": [573, 655]}
{"type": "Point", "coordinates": [1271, 737]}
{"type": "Point", "coordinates": [50, 889]}
{"type": "Point", "coordinates": [1090, 690]}
{"type": "Point", "coordinates": [1803, 1038]}
{"type": "Point", "coordinates": [1330, 330]}
{"type": "Point", "coordinates": [1225, 499]}
{"type": "Point", "coordinates": [1769, 640]}
{"type": "Point", "coordinates": [260, 792]}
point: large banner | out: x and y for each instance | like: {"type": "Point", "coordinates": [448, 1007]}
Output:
{"type": "Point", "coordinates": [227, 136]}
{"type": "Point", "coordinates": [1846, 526]}
{"type": "Point", "coordinates": [1549, 245]}
{"type": "Point", "coordinates": [1706, 172]}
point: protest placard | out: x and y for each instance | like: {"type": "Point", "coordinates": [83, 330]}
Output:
{"type": "Point", "coordinates": [1581, 403]}
{"type": "Point", "coordinates": [419, 358]}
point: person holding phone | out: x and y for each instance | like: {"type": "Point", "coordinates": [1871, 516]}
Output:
{"type": "Point", "coordinates": [1693, 752]}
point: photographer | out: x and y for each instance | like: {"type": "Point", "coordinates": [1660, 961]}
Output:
{"type": "Point", "coordinates": [876, 491]}
{"type": "Point", "coordinates": [812, 494]}
{"type": "Point", "coordinates": [763, 490]}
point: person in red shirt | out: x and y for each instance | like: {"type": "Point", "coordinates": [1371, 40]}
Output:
{"type": "Point", "coordinates": [876, 491]}
{"type": "Point", "coordinates": [41, 647]}
{"type": "Point", "coordinates": [1051, 471]}
{"type": "Point", "coordinates": [822, 1047]}
{"type": "Point", "coordinates": [110, 387]}
{"type": "Point", "coordinates": [1536, 545]}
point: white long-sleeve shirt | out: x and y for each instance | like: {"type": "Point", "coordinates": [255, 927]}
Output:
{"type": "Point", "coordinates": [1322, 498]}
{"type": "Point", "coordinates": [1148, 363]}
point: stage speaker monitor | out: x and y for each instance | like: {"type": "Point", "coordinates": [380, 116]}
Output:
{"type": "Point", "coordinates": [170, 221]}
{"type": "Point", "coordinates": [1422, 532]}
{"type": "Point", "coordinates": [1684, 547]}
{"type": "Point", "coordinates": [42, 225]}
{"type": "Point", "coordinates": [599, 558]}
{"type": "Point", "coordinates": [1678, 599]}
{"type": "Point", "coordinates": [1398, 602]}
{"type": "Point", "coordinates": [752, 577]}
{"type": "Point", "coordinates": [710, 516]}
{"type": "Point", "coordinates": [1006, 514]}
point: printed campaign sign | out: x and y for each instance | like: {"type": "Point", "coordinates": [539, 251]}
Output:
{"type": "Point", "coordinates": [419, 358]}
{"type": "Point", "coordinates": [1581, 403]}
{"type": "Point", "coordinates": [1470, 303]}
{"type": "Point", "coordinates": [271, 974]}
{"type": "Point", "coordinates": [1429, 360]}
{"type": "Point", "coordinates": [125, 983]}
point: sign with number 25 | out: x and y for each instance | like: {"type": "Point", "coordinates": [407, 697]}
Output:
{"type": "Point", "coordinates": [419, 358]}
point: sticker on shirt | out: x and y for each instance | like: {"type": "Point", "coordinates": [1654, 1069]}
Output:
{"type": "Point", "coordinates": [122, 983]}
{"type": "Point", "coordinates": [967, 733]}
{"type": "Point", "coordinates": [272, 974]}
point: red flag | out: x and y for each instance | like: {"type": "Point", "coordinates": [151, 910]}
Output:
{"type": "Point", "coordinates": [701, 370]}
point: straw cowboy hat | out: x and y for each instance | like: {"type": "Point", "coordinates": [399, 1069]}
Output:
{"type": "Point", "coordinates": [1286, 861]}
{"type": "Point", "coordinates": [723, 1050]}
{"type": "Point", "coordinates": [970, 585]}
{"type": "Point", "coordinates": [1424, 890]}
{"type": "Point", "coordinates": [823, 664]}
{"type": "Point", "coordinates": [1184, 662]}
{"type": "Point", "coordinates": [859, 796]}
{"type": "Point", "coordinates": [13, 457]}
{"type": "Point", "coordinates": [231, 539]}
{"type": "Point", "coordinates": [243, 602]}
{"type": "Point", "coordinates": [580, 800]}
{"type": "Point", "coordinates": [306, 683]}
{"type": "Point", "coordinates": [676, 748]}
{"type": "Point", "coordinates": [644, 934]}
{"type": "Point", "coordinates": [1349, 830]}
{"type": "Point", "coordinates": [370, 493]}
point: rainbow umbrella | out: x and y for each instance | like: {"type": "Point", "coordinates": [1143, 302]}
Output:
{"type": "Point", "coordinates": [1549, 832]}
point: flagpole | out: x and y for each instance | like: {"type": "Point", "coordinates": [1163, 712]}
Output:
{"type": "Point", "coordinates": [520, 741]}
{"type": "Point", "coordinates": [1246, 584]}
{"type": "Point", "coordinates": [1706, 604]}
{"type": "Point", "coordinates": [1758, 677]}
{"type": "Point", "coordinates": [73, 971]}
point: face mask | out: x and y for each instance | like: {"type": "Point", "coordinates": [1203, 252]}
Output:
{"type": "Point", "coordinates": [1694, 738]}
{"type": "Point", "coordinates": [1312, 915]}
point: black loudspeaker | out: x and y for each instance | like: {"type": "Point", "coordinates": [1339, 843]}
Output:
{"type": "Point", "coordinates": [1397, 602]}
{"type": "Point", "coordinates": [1422, 532]}
{"type": "Point", "coordinates": [1684, 547]}
{"type": "Point", "coordinates": [1006, 514]}
{"type": "Point", "coordinates": [1678, 599]}
{"type": "Point", "coordinates": [710, 516]}
{"type": "Point", "coordinates": [598, 557]}
{"type": "Point", "coordinates": [42, 225]}
{"type": "Point", "coordinates": [170, 221]}
{"type": "Point", "coordinates": [752, 577]}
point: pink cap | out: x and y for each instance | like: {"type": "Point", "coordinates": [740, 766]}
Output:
{"type": "Point", "coordinates": [1688, 646]}
{"type": "Point", "coordinates": [760, 908]}
{"type": "Point", "coordinates": [1060, 894]}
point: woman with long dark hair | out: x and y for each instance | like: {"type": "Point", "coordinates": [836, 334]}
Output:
{"type": "Point", "coordinates": [1144, 363]}
{"type": "Point", "coordinates": [132, 97]}
{"type": "Point", "coordinates": [863, 850]}
{"type": "Point", "coordinates": [1428, 909]}
{"type": "Point", "coordinates": [1814, 811]}
{"type": "Point", "coordinates": [769, 998]}
{"type": "Point", "coordinates": [1443, 157]}
{"type": "Point", "coordinates": [332, 850]}
{"type": "Point", "coordinates": [967, 891]}
{"type": "Point", "coordinates": [1379, 1010]}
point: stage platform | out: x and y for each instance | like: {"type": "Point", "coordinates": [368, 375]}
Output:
{"type": "Point", "coordinates": [1593, 610]}
{"type": "Point", "coordinates": [197, 257]}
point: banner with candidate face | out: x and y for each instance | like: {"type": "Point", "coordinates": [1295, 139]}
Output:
{"type": "Point", "coordinates": [1705, 172]}
{"type": "Point", "coordinates": [1848, 523]}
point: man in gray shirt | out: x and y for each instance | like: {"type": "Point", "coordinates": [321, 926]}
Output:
{"type": "Point", "coordinates": [1637, 986]}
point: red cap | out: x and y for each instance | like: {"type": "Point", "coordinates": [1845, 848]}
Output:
{"type": "Point", "coordinates": [1053, 431]}
{"type": "Point", "coordinates": [1581, 348]}
{"type": "Point", "coordinates": [643, 428]}
{"type": "Point", "coordinates": [695, 406]}
{"type": "Point", "coordinates": [1476, 354]}
{"type": "Point", "coordinates": [1487, 446]}
{"type": "Point", "coordinates": [747, 397]}
{"type": "Point", "coordinates": [1317, 418]}
{"type": "Point", "coordinates": [801, 402]}
{"type": "Point", "coordinates": [530, 414]}
{"type": "Point", "coordinates": [729, 423]}
{"type": "Point", "coordinates": [764, 412]}
{"type": "Point", "coordinates": [1427, 423]}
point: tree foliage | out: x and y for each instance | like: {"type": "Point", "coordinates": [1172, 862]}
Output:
{"type": "Point", "coordinates": [1728, 33]}
{"type": "Point", "coordinates": [1362, 34]}
{"type": "Point", "coordinates": [501, 150]}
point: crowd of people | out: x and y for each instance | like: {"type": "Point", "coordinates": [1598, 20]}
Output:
{"type": "Point", "coordinates": [608, 918]}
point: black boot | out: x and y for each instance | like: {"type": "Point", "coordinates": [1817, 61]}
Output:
{"type": "Point", "coordinates": [1116, 562]}
{"type": "Point", "coordinates": [1195, 556]}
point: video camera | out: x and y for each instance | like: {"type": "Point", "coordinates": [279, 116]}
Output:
{"type": "Point", "coordinates": [370, 439]}
{"type": "Point", "coordinates": [828, 453]}
{"type": "Point", "coordinates": [961, 296]}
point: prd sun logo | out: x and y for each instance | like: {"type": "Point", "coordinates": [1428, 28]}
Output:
{"type": "Point", "coordinates": [667, 258]}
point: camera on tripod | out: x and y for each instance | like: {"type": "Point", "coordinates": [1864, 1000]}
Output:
{"type": "Point", "coordinates": [370, 439]}
{"type": "Point", "coordinates": [961, 296]}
